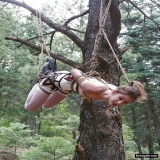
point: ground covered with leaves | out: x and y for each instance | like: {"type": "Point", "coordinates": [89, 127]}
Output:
{"type": "Point", "coordinates": [4, 155]}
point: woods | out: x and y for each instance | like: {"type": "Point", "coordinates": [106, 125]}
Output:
{"type": "Point", "coordinates": [101, 131]}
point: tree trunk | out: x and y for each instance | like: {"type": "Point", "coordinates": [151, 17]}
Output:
{"type": "Point", "coordinates": [137, 139]}
{"type": "Point", "coordinates": [148, 133]}
{"type": "Point", "coordinates": [33, 124]}
{"type": "Point", "coordinates": [155, 118]}
{"type": "Point", "coordinates": [100, 125]}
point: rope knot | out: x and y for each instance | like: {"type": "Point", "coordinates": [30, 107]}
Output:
{"type": "Point", "coordinates": [92, 74]}
{"type": "Point", "coordinates": [41, 39]}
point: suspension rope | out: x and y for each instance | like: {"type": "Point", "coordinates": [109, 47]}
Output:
{"type": "Point", "coordinates": [115, 55]}
{"type": "Point", "coordinates": [102, 20]}
{"type": "Point", "coordinates": [94, 59]}
{"type": "Point", "coordinates": [38, 24]}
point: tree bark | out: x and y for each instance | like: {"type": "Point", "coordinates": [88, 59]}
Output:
{"type": "Point", "coordinates": [100, 125]}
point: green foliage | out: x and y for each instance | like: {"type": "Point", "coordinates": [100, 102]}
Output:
{"type": "Point", "coordinates": [56, 148]}
{"type": "Point", "coordinates": [127, 132]}
{"type": "Point", "coordinates": [58, 121]}
{"type": "Point", "coordinates": [128, 136]}
{"type": "Point", "coordinates": [130, 144]}
{"type": "Point", "coordinates": [18, 67]}
{"type": "Point", "coordinates": [10, 60]}
{"type": "Point", "coordinates": [18, 72]}
{"type": "Point", "coordinates": [141, 63]}
{"type": "Point", "coordinates": [16, 136]}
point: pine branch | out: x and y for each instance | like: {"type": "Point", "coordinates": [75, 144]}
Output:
{"type": "Point", "coordinates": [38, 48]}
{"type": "Point", "coordinates": [74, 17]}
{"type": "Point", "coordinates": [50, 23]}
{"type": "Point", "coordinates": [75, 30]}
{"type": "Point", "coordinates": [66, 25]}
{"type": "Point", "coordinates": [143, 12]}
{"type": "Point", "coordinates": [124, 49]}
{"type": "Point", "coordinates": [153, 1]}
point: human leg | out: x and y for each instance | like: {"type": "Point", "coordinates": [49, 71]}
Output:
{"type": "Point", "coordinates": [53, 99]}
{"type": "Point", "coordinates": [41, 91]}
{"type": "Point", "coordinates": [35, 98]}
{"type": "Point", "coordinates": [62, 88]}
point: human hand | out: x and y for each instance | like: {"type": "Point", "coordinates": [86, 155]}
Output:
{"type": "Point", "coordinates": [69, 78]}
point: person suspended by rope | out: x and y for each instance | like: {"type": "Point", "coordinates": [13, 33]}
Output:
{"type": "Point", "coordinates": [54, 85]}
{"type": "Point", "coordinates": [58, 84]}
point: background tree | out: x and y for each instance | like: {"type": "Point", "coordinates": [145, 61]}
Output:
{"type": "Point", "coordinates": [143, 59]}
{"type": "Point", "coordinates": [100, 126]}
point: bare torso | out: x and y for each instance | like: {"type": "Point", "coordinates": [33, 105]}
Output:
{"type": "Point", "coordinates": [102, 90]}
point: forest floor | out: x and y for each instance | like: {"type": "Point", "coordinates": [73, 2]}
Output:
{"type": "Point", "coordinates": [4, 155]}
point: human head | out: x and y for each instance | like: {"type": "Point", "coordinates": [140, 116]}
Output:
{"type": "Point", "coordinates": [119, 99]}
{"type": "Point", "coordinates": [134, 89]}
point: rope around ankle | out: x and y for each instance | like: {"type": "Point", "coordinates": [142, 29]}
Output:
{"type": "Point", "coordinates": [38, 24]}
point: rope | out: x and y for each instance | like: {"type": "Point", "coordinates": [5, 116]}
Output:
{"type": "Point", "coordinates": [115, 56]}
{"type": "Point", "coordinates": [38, 23]}
{"type": "Point", "coordinates": [94, 59]}
{"type": "Point", "coordinates": [102, 20]}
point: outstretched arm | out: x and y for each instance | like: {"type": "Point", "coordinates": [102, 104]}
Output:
{"type": "Point", "coordinates": [88, 85]}
{"type": "Point", "coordinates": [77, 75]}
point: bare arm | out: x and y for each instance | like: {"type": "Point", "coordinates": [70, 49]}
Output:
{"type": "Point", "coordinates": [89, 86]}
{"type": "Point", "coordinates": [77, 75]}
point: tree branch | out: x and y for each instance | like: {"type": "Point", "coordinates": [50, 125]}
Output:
{"type": "Point", "coordinates": [75, 30]}
{"type": "Point", "coordinates": [155, 3]}
{"type": "Point", "coordinates": [74, 17]}
{"type": "Point", "coordinates": [38, 48]}
{"type": "Point", "coordinates": [50, 23]}
{"type": "Point", "coordinates": [124, 49]}
{"type": "Point", "coordinates": [36, 37]}
{"type": "Point", "coordinates": [51, 40]}
{"type": "Point", "coordinates": [66, 25]}
{"type": "Point", "coordinates": [143, 12]}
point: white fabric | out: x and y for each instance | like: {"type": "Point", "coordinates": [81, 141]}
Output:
{"type": "Point", "coordinates": [61, 83]}
{"type": "Point", "coordinates": [44, 88]}
{"type": "Point", "coordinates": [35, 98]}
